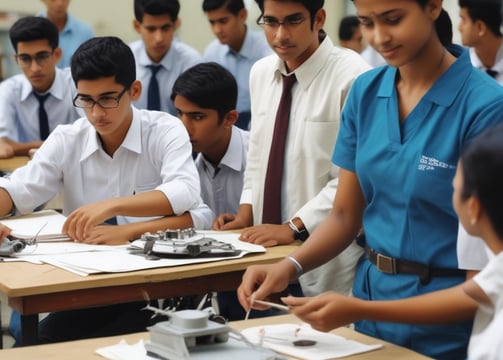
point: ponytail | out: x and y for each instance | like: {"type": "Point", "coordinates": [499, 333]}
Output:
{"type": "Point", "coordinates": [443, 26]}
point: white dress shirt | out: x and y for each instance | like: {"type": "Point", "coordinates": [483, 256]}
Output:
{"type": "Point", "coordinates": [309, 177]}
{"type": "Point", "coordinates": [179, 58]}
{"type": "Point", "coordinates": [155, 154]}
{"type": "Point", "coordinates": [498, 63]}
{"type": "Point", "coordinates": [486, 341]}
{"type": "Point", "coordinates": [19, 106]}
{"type": "Point", "coordinates": [221, 186]}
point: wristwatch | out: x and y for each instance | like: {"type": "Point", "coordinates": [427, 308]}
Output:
{"type": "Point", "coordinates": [299, 230]}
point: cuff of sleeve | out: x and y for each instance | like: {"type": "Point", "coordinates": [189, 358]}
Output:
{"type": "Point", "coordinates": [180, 196]}
{"type": "Point", "coordinates": [202, 217]}
{"type": "Point", "coordinates": [246, 197]}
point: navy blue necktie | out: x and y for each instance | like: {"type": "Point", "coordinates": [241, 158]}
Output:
{"type": "Point", "coordinates": [153, 96]}
{"type": "Point", "coordinates": [43, 120]}
{"type": "Point", "coordinates": [271, 213]}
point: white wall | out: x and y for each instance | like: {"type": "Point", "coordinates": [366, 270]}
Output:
{"type": "Point", "coordinates": [114, 17]}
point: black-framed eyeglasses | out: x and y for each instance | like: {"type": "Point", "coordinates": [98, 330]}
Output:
{"type": "Point", "coordinates": [271, 23]}
{"type": "Point", "coordinates": [105, 102]}
{"type": "Point", "coordinates": [41, 58]}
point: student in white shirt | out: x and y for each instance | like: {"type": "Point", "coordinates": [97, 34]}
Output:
{"type": "Point", "coordinates": [324, 73]}
{"type": "Point", "coordinates": [35, 42]}
{"type": "Point", "coordinates": [480, 30]}
{"type": "Point", "coordinates": [117, 164]}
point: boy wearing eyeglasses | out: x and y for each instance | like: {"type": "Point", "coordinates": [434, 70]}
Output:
{"type": "Point", "coordinates": [324, 74]}
{"type": "Point", "coordinates": [117, 165]}
{"type": "Point", "coordinates": [41, 88]}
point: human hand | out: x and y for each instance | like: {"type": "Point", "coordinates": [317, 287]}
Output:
{"type": "Point", "coordinates": [31, 152]}
{"type": "Point", "coordinates": [325, 312]}
{"type": "Point", "coordinates": [81, 222]}
{"type": "Point", "coordinates": [6, 149]}
{"type": "Point", "coordinates": [263, 280]}
{"type": "Point", "coordinates": [4, 232]}
{"type": "Point", "coordinates": [228, 221]}
{"type": "Point", "coordinates": [268, 235]}
{"type": "Point", "coordinates": [108, 235]}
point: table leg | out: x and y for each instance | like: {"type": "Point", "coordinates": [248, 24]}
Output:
{"type": "Point", "coordinates": [29, 329]}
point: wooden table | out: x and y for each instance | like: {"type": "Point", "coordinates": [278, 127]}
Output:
{"type": "Point", "coordinates": [85, 349]}
{"type": "Point", "coordinates": [33, 289]}
{"type": "Point", "coordinates": [8, 165]}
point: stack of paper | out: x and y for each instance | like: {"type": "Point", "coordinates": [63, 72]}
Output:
{"type": "Point", "coordinates": [48, 222]}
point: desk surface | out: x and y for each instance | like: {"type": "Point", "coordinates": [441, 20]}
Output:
{"type": "Point", "coordinates": [34, 288]}
{"type": "Point", "coordinates": [85, 349]}
{"type": "Point", "coordinates": [11, 164]}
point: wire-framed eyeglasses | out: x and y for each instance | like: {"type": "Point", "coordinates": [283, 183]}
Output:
{"type": "Point", "coordinates": [105, 102]}
{"type": "Point", "coordinates": [271, 23]}
{"type": "Point", "coordinates": [41, 58]}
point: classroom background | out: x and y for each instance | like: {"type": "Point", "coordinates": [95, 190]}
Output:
{"type": "Point", "coordinates": [115, 17]}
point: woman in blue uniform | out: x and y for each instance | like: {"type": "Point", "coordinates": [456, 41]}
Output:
{"type": "Point", "coordinates": [402, 131]}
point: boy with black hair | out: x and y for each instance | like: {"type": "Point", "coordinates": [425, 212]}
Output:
{"type": "Point", "coordinates": [315, 76]}
{"type": "Point", "coordinates": [32, 104]}
{"type": "Point", "coordinates": [480, 30]}
{"type": "Point", "coordinates": [205, 99]}
{"type": "Point", "coordinates": [350, 35]}
{"type": "Point", "coordinates": [236, 48]}
{"type": "Point", "coordinates": [160, 58]}
{"type": "Point", "coordinates": [117, 165]}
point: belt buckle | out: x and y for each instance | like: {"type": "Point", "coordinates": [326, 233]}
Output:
{"type": "Point", "coordinates": [386, 264]}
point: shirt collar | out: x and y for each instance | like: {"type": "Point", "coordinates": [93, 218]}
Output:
{"type": "Point", "coordinates": [441, 93]}
{"type": "Point", "coordinates": [308, 71]}
{"type": "Point", "coordinates": [58, 87]}
{"type": "Point", "coordinates": [132, 141]}
{"type": "Point", "coordinates": [233, 157]}
{"type": "Point", "coordinates": [246, 50]}
{"type": "Point", "coordinates": [166, 62]}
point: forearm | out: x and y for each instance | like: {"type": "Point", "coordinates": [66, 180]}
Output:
{"type": "Point", "coordinates": [22, 149]}
{"type": "Point", "coordinates": [6, 204]}
{"type": "Point", "coordinates": [150, 203]}
{"type": "Point", "coordinates": [329, 239]}
{"type": "Point", "coordinates": [245, 214]}
{"type": "Point", "coordinates": [135, 230]}
{"type": "Point", "coordinates": [439, 307]}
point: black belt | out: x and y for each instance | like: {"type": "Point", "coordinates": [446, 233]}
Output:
{"type": "Point", "coordinates": [389, 265]}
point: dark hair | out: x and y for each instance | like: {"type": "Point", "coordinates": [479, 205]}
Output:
{"type": "Point", "coordinates": [311, 5]}
{"type": "Point", "coordinates": [443, 24]}
{"type": "Point", "coordinates": [233, 6]}
{"type": "Point", "coordinates": [32, 28]}
{"type": "Point", "coordinates": [101, 57]}
{"type": "Point", "coordinates": [210, 86]}
{"type": "Point", "coordinates": [156, 7]}
{"type": "Point", "coordinates": [348, 26]}
{"type": "Point", "coordinates": [482, 164]}
{"type": "Point", "coordinates": [487, 11]}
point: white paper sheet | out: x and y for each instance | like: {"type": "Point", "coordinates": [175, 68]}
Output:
{"type": "Point", "coordinates": [280, 338]}
{"type": "Point", "coordinates": [48, 222]}
{"type": "Point", "coordinates": [83, 259]}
